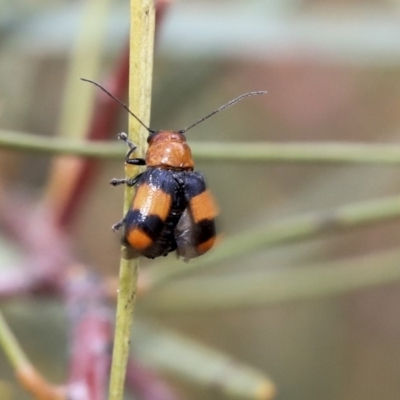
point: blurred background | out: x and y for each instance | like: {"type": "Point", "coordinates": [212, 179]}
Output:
{"type": "Point", "coordinates": [332, 72]}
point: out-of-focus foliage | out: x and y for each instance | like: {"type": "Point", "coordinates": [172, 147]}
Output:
{"type": "Point", "coordinates": [332, 71]}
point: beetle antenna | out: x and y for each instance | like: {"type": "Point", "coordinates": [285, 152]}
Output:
{"type": "Point", "coordinates": [120, 102]}
{"type": "Point", "coordinates": [230, 103]}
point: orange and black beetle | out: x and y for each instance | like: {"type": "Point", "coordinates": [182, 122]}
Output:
{"type": "Point", "coordinates": [171, 209]}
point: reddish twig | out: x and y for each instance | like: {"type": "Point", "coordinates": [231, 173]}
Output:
{"type": "Point", "coordinates": [101, 127]}
{"type": "Point", "coordinates": [103, 121]}
{"type": "Point", "coordinates": [147, 384]}
{"type": "Point", "coordinates": [91, 321]}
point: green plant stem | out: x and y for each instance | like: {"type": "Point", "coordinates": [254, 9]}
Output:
{"type": "Point", "coordinates": [140, 79]}
{"type": "Point", "coordinates": [20, 141]}
{"type": "Point", "coordinates": [276, 287]}
{"type": "Point", "coordinates": [11, 347]}
{"type": "Point", "coordinates": [328, 152]}
{"type": "Point", "coordinates": [260, 152]}
{"type": "Point", "coordinates": [29, 378]}
{"type": "Point", "coordinates": [78, 99]}
{"type": "Point", "coordinates": [293, 230]}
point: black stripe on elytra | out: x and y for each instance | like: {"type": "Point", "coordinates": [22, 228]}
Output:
{"type": "Point", "coordinates": [151, 225]}
{"type": "Point", "coordinates": [161, 179]}
{"type": "Point", "coordinates": [194, 184]}
{"type": "Point", "coordinates": [166, 242]}
{"type": "Point", "coordinates": [205, 230]}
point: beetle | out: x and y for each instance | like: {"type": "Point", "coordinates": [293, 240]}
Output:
{"type": "Point", "coordinates": [171, 210]}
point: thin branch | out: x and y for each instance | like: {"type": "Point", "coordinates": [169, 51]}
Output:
{"type": "Point", "coordinates": [26, 142]}
{"type": "Point", "coordinates": [28, 376]}
{"type": "Point", "coordinates": [327, 152]}
{"type": "Point", "coordinates": [10, 345]}
{"type": "Point", "coordinates": [294, 230]}
{"type": "Point", "coordinates": [259, 289]}
{"type": "Point", "coordinates": [256, 152]}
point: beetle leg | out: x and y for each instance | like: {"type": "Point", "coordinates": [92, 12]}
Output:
{"type": "Point", "coordinates": [116, 181]}
{"type": "Point", "coordinates": [124, 137]}
{"type": "Point", "coordinates": [116, 227]}
{"type": "Point", "coordinates": [134, 161]}
{"type": "Point", "coordinates": [131, 161]}
{"type": "Point", "coordinates": [128, 182]}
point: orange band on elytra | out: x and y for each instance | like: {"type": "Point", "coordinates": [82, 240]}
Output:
{"type": "Point", "coordinates": [138, 240]}
{"type": "Point", "coordinates": [151, 200]}
{"type": "Point", "coordinates": [203, 206]}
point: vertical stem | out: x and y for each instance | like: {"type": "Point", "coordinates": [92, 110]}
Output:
{"type": "Point", "coordinates": [140, 78]}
